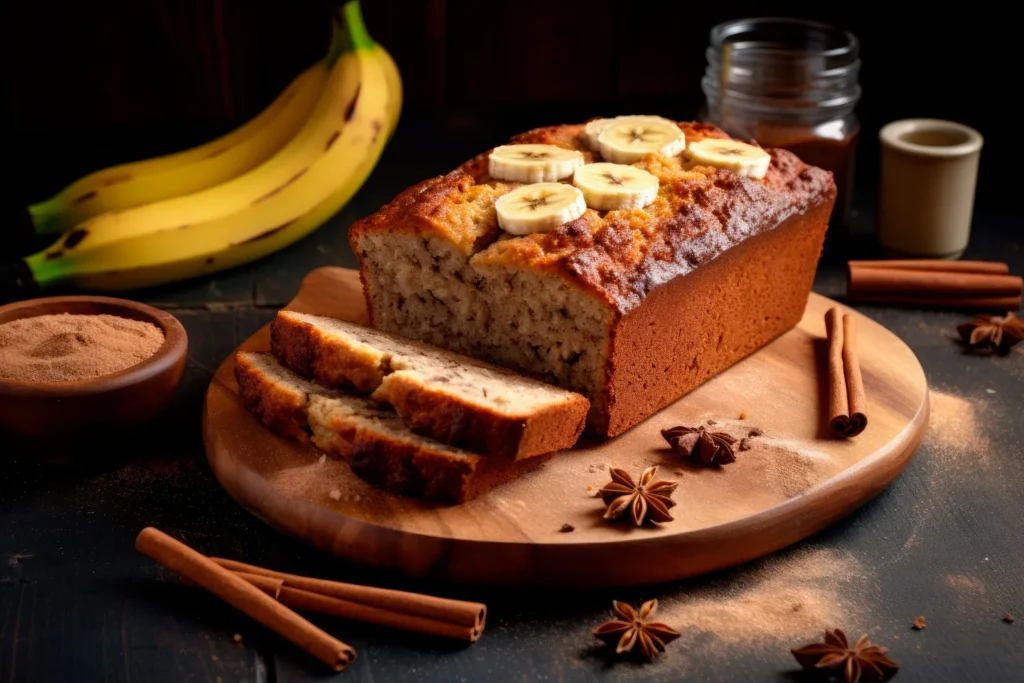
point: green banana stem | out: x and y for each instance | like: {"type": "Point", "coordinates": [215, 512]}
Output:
{"type": "Point", "coordinates": [47, 272]}
{"type": "Point", "coordinates": [350, 32]}
{"type": "Point", "coordinates": [44, 215]}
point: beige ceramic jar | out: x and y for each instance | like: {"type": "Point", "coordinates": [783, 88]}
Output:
{"type": "Point", "coordinates": [926, 198]}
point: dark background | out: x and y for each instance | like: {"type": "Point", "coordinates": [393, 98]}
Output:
{"type": "Point", "coordinates": [90, 84]}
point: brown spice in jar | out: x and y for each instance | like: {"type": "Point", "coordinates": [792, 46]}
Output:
{"type": "Point", "coordinates": [64, 346]}
{"type": "Point", "coordinates": [835, 155]}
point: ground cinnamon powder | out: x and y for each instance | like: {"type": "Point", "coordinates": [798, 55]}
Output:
{"type": "Point", "coordinates": [64, 346]}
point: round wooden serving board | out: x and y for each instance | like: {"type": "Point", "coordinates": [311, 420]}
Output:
{"type": "Point", "coordinates": [791, 482]}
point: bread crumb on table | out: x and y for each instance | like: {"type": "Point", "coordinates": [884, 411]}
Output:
{"type": "Point", "coordinates": [334, 494]}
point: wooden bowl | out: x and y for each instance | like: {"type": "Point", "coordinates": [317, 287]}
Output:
{"type": "Point", "coordinates": [56, 413]}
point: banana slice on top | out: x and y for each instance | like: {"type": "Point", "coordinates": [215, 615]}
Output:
{"type": "Point", "coordinates": [607, 187]}
{"type": "Point", "coordinates": [626, 142]}
{"type": "Point", "coordinates": [533, 163]}
{"type": "Point", "coordinates": [594, 128]}
{"type": "Point", "coordinates": [539, 207]}
{"type": "Point", "coordinates": [733, 155]}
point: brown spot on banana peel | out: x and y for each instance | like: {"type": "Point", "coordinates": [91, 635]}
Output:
{"type": "Point", "coordinates": [263, 235]}
{"type": "Point", "coordinates": [124, 177]}
{"type": "Point", "coordinates": [209, 260]}
{"type": "Point", "coordinates": [54, 255]}
{"type": "Point", "coordinates": [351, 107]}
{"type": "Point", "coordinates": [377, 127]}
{"type": "Point", "coordinates": [280, 187]}
{"type": "Point", "coordinates": [74, 238]}
{"type": "Point", "coordinates": [85, 197]}
{"type": "Point", "coordinates": [330, 141]}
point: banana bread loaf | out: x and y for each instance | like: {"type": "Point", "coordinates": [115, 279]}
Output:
{"type": "Point", "coordinates": [379, 447]}
{"type": "Point", "coordinates": [631, 307]}
{"type": "Point", "coordinates": [450, 398]}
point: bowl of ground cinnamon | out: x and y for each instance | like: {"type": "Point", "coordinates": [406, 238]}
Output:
{"type": "Point", "coordinates": [75, 367]}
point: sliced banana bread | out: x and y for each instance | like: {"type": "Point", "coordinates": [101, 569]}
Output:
{"type": "Point", "coordinates": [379, 447]}
{"type": "Point", "coordinates": [630, 307]}
{"type": "Point", "coordinates": [450, 398]}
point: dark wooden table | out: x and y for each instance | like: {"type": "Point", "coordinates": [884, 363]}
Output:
{"type": "Point", "coordinates": [945, 541]}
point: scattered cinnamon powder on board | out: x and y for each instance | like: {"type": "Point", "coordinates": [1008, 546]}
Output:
{"type": "Point", "coordinates": [781, 599]}
{"type": "Point", "coordinates": [64, 346]}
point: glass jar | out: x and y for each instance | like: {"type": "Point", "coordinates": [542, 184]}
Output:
{"type": "Point", "coordinates": [788, 83]}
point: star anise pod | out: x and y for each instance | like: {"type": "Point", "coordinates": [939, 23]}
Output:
{"type": "Point", "coordinates": [702, 445]}
{"type": "Point", "coordinates": [631, 627]}
{"type": "Point", "coordinates": [647, 500]}
{"type": "Point", "coordinates": [999, 332]}
{"type": "Point", "coordinates": [864, 661]}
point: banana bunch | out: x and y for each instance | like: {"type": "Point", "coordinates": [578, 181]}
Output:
{"type": "Point", "coordinates": [240, 197]}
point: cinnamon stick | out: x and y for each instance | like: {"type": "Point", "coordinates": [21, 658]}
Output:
{"type": "Point", "coordinates": [998, 304]}
{"type": "Point", "coordinates": [931, 283]}
{"type": "Point", "coordinates": [854, 381]}
{"type": "Point", "coordinates": [242, 595]}
{"type": "Point", "coordinates": [846, 411]}
{"type": "Point", "coordinates": [267, 584]}
{"type": "Point", "coordinates": [325, 604]}
{"type": "Point", "coordinates": [990, 267]}
{"type": "Point", "coordinates": [463, 613]}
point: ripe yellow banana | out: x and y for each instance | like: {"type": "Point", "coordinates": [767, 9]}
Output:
{"type": "Point", "coordinates": [319, 133]}
{"type": "Point", "coordinates": [142, 182]}
{"type": "Point", "coordinates": [291, 212]}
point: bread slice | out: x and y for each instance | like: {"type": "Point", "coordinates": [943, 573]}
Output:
{"type": "Point", "coordinates": [450, 398]}
{"type": "Point", "coordinates": [379, 447]}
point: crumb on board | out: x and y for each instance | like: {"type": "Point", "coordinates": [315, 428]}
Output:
{"type": "Point", "coordinates": [1008, 618]}
{"type": "Point", "coordinates": [743, 416]}
{"type": "Point", "coordinates": [566, 528]}
{"type": "Point", "coordinates": [334, 494]}
{"type": "Point", "coordinates": [919, 623]}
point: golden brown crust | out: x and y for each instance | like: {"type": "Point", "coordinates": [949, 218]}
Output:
{"type": "Point", "coordinates": [428, 408]}
{"type": "Point", "coordinates": [304, 349]}
{"type": "Point", "coordinates": [282, 409]}
{"type": "Point", "coordinates": [694, 327]}
{"type": "Point", "coordinates": [406, 465]}
{"type": "Point", "coordinates": [433, 412]}
{"type": "Point", "coordinates": [400, 468]}
{"type": "Point", "coordinates": [618, 256]}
